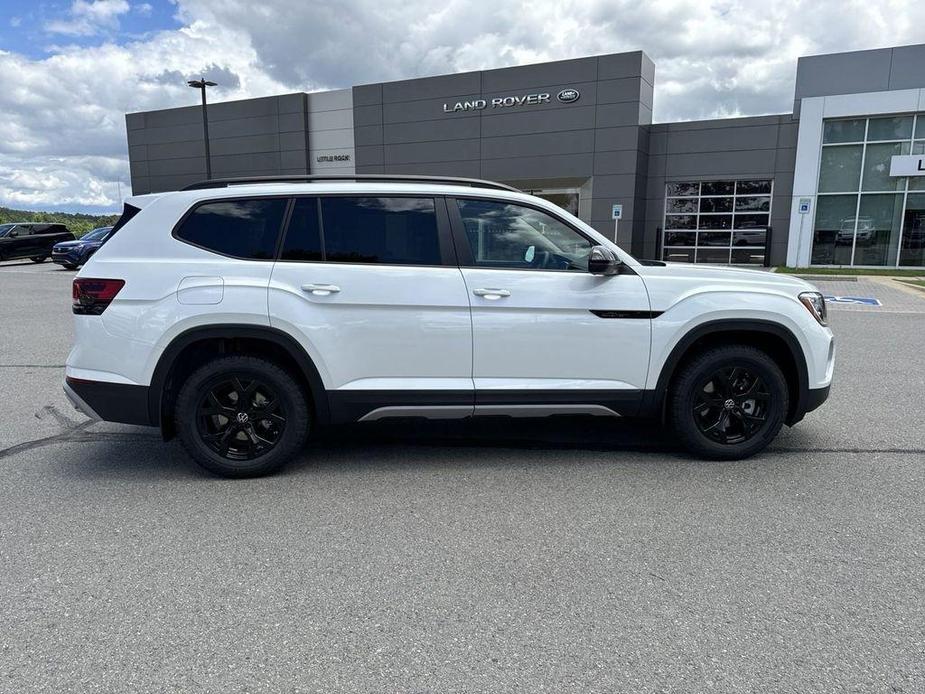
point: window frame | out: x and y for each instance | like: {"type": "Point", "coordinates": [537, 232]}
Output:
{"type": "Point", "coordinates": [287, 211]}
{"type": "Point", "coordinates": [464, 251]}
{"type": "Point", "coordinates": [444, 234]}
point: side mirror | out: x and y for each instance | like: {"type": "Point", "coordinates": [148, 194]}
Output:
{"type": "Point", "coordinates": [603, 261]}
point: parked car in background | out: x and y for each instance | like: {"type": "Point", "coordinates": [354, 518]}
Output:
{"type": "Point", "coordinates": [31, 240]}
{"type": "Point", "coordinates": [73, 254]}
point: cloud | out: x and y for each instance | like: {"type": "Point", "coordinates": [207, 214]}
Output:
{"type": "Point", "coordinates": [64, 113]}
{"type": "Point", "coordinates": [89, 18]}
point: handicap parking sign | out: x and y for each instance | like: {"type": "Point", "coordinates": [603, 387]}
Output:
{"type": "Point", "coordinates": [856, 300]}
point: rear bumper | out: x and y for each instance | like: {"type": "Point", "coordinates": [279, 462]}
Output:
{"type": "Point", "coordinates": [110, 402]}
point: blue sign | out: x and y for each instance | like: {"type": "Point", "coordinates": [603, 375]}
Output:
{"type": "Point", "coordinates": [856, 300]}
{"type": "Point", "coordinates": [616, 212]}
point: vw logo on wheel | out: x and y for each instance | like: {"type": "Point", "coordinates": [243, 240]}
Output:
{"type": "Point", "coordinates": [242, 418]}
{"type": "Point", "coordinates": [567, 96]}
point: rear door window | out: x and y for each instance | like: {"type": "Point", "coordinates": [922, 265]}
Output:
{"type": "Point", "coordinates": [392, 230]}
{"type": "Point", "coordinates": [240, 228]}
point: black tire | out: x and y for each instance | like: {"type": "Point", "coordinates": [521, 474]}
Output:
{"type": "Point", "coordinates": [39, 258]}
{"type": "Point", "coordinates": [207, 418]}
{"type": "Point", "coordinates": [739, 387]}
{"type": "Point", "coordinates": [70, 267]}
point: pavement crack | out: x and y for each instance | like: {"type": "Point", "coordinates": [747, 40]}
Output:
{"type": "Point", "coordinates": [32, 366]}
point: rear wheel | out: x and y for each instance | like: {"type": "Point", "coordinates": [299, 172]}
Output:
{"type": "Point", "coordinates": [729, 402]}
{"type": "Point", "coordinates": [70, 267]}
{"type": "Point", "coordinates": [39, 258]}
{"type": "Point", "coordinates": [241, 416]}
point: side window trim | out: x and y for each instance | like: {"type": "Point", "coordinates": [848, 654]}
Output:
{"type": "Point", "coordinates": [463, 250]}
{"type": "Point", "coordinates": [200, 203]}
{"type": "Point", "coordinates": [446, 244]}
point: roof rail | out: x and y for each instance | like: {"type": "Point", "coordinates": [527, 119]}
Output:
{"type": "Point", "coordinates": [383, 178]}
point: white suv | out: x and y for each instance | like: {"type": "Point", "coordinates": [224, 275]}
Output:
{"type": "Point", "coordinates": [243, 314]}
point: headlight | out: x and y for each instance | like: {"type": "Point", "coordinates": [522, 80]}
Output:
{"type": "Point", "coordinates": [815, 304]}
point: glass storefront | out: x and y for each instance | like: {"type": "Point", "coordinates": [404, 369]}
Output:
{"type": "Point", "coordinates": [718, 222]}
{"type": "Point", "coordinates": [864, 216]}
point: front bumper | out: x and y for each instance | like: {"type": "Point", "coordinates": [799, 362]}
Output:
{"type": "Point", "coordinates": [111, 402]}
{"type": "Point", "coordinates": [66, 258]}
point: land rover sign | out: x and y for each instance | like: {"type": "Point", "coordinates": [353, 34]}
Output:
{"type": "Point", "coordinates": [566, 96]}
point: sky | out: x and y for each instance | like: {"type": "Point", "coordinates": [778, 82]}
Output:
{"type": "Point", "coordinates": [71, 69]}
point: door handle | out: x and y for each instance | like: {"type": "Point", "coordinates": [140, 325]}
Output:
{"type": "Point", "coordinates": [321, 289]}
{"type": "Point", "coordinates": [491, 294]}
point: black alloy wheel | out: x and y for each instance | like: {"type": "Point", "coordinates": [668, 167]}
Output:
{"type": "Point", "coordinates": [728, 402]}
{"type": "Point", "coordinates": [732, 405]}
{"type": "Point", "coordinates": [240, 418]}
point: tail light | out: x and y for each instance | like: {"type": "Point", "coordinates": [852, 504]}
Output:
{"type": "Point", "coordinates": [92, 296]}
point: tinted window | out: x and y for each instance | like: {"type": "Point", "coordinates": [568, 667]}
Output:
{"type": "Point", "coordinates": [402, 231]}
{"type": "Point", "coordinates": [303, 237]}
{"type": "Point", "coordinates": [239, 228]}
{"type": "Point", "coordinates": [512, 236]}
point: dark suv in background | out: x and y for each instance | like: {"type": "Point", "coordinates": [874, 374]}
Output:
{"type": "Point", "coordinates": [31, 240]}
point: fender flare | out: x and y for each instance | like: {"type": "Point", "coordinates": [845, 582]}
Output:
{"type": "Point", "coordinates": [231, 331]}
{"type": "Point", "coordinates": [655, 404]}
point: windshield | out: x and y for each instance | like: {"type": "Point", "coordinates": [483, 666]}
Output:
{"type": "Point", "coordinates": [97, 234]}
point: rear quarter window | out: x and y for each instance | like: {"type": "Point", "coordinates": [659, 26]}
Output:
{"type": "Point", "coordinates": [246, 229]}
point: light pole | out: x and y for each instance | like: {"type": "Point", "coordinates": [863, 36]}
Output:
{"type": "Point", "coordinates": [201, 85]}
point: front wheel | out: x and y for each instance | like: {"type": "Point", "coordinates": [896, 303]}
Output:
{"type": "Point", "coordinates": [241, 416]}
{"type": "Point", "coordinates": [39, 258]}
{"type": "Point", "coordinates": [729, 402]}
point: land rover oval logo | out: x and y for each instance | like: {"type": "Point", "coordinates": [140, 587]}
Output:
{"type": "Point", "coordinates": [567, 96]}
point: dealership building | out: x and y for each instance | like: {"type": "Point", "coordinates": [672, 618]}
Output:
{"type": "Point", "coordinates": [838, 181]}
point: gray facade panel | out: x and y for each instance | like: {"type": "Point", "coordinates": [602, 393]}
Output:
{"type": "Point", "coordinates": [571, 142]}
{"type": "Point", "coordinates": [421, 152]}
{"type": "Point", "coordinates": [367, 115]}
{"type": "Point", "coordinates": [368, 135]}
{"type": "Point", "coordinates": [290, 103]}
{"type": "Point", "coordinates": [532, 76]}
{"type": "Point", "coordinates": [285, 123]}
{"type": "Point", "coordinates": [625, 113]}
{"type": "Point", "coordinates": [721, 164]}
{"type": "Point", "coordinates": [538, 167]}
{"type": "Point", "coordinates": [268, 142]}
{"type": "Point", "coordinates": [180, 167]}
{"type": "Point", "coordinates": [367, 94]}
{"type": "Point", "coordinates": [617, 162]}
{"type": "Point", "coordinates": [469, 169]}
{"type": "Point", "coordinates": [844, 73]}
{"type": "Point", "coordinates": [576, 118]}
{"type": "Point", "coordinates": [371, 155]}
{"type": "Point", "coordinates": [134, 121]}
{"type": "Point", "coordinates": [244, 126]}
{"type": "Point", "coordinates": [248, 108]}
{"type": "Point", "coordinates": [723, 139]}
{"type": "Point", "coordinates": [176, 150]}
{"type": "Point", "coordinates": [431, 87]}
{"type": "Point", "coordinates": [623, 137]}
{"type": "Point", "coordinates": [621, 65]}
{"type": "Point", "coordinates": [618, 91]}
{"type": "Point", "coordinates": [427, 109]}
{"type": "Point", "coordinates": [171, 117]}
{"type": "Point", "coordinates": [432, 131]}
{"type": "Point", "coordinates": [906, 68]}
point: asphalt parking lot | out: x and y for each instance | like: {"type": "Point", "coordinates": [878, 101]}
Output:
{"type": "Point", "coordinates": [565, 555]}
